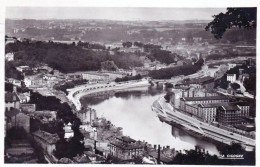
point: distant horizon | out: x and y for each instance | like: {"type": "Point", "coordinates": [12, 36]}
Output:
{"type": "Point", "coordinates": [112, 13]}
{"type": "Point", "coordinates": [107, 19]}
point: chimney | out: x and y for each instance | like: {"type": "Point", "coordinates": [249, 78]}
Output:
{"type": "Point", "coordinates": [159, 155]}
{"type": "Point", "coordinates": [168, 147]}
{"type": "Point", "coordinates": [155, 146]}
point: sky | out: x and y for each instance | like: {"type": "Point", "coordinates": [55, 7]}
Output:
{"type": "Point", "coordinates": [112, 13]}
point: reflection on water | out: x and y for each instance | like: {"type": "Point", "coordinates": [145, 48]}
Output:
{"type": "Point", "coordinates": [131, 110]}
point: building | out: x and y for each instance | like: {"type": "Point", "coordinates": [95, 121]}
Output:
{"type": "Point", "coordinates": [202, 100]}
{"type": "Point", "coordinates": [208, 112]}
{"type": "Point", "coordinates": [229, 115]}
{"type": "Point", "coordinates": [22, 68]}
{"type": "Point", "coordinates": [204, 82]}
{"type": "Point", "coordinates": [125, 148]}
{"type": "Point", "coordinates": [9, 57]}
{"type": "Point", "coordinates": [15, 118]}
{"type": "Point", "coordinates": [87, 115]}
{"type": "Point", "coordinates": [69, 133]}
{"type": "Point", "coordinates": [11, 101]}
{"type": "Point", "coordinates": [46, 140]}
{"type": "Point", "coordinates": [244, 108]}
{"type": "Point", "coordinates": [231, 78]}
{"type": "Point", "coordinates": [190, 92]}
{"type": "Point", "coordinates": [28, 107]}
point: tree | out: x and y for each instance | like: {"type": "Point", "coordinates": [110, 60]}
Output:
{"type": "Point", "coordinates": [234, 17]}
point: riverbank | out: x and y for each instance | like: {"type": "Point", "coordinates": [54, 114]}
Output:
{"type": "Point", "coordinates": [76, 93]}
{"type": "Point", "coordinates": [207, 130]}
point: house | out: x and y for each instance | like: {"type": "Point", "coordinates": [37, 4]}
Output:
{"type": "Point", "coordinates": [231, 78]}
{"type": "Point", "coordinates": [28, 107]}
{"type": "Point", "coordinates": [22, 68]}
{"type": "Point", "coordinates": [11, 101]}
{"type": "Point", "coordinates": [46, 140]}
{"type": "Point", "coordinates": [9, 57]}
{"type": "Point", "coordinates": [125, 148]}
{"type": "Point", "coordinates": [69, 133]}
{"type": "Point", "coordinates": [16, 118]}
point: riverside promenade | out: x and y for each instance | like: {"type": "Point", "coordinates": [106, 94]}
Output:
{"type": "Point", "coordinates": [76, 93]}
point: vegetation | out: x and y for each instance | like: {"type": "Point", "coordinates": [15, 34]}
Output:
{"type": "Point", "coordinates": [11, 72]}
{"type": "Point", "coordinates": [168, 96]}
{"type": "Point", "coordinates": [70, 84]}
{"type": "Point", "coordinates": [250, 83]}
{"type": "Point", "coordinates": [234, 17]}
{"type": "Point", "coordinates": [128, 78]}
{"type": "Point", "coordinates": [64, 115]}
{"type": "Point", "coordinates": [109, 66]}
{"type": "Point", "coordinates": [167, 73]}
{"type": "Point", "coordinates": [66, 57]}
{"type": "Point", "coordinates": [163, 56]}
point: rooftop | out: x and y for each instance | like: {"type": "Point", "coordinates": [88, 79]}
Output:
{"type": "Point", "coordinates": [125, 139]}
{"type": "Point", "coordinates": [230, 107]}
{"type": "Point", "coordinates": [126, 146]}
{"type": "Point", "coordinates": [205, 98]}
{"type": "Point", "coordinates": [47, 137]}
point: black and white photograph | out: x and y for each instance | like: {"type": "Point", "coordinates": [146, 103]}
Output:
{"type": "Point", "coordinates": [130, 85]}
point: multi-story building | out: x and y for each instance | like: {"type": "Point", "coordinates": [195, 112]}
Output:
{"type": "Point", "coordinates": [192, 92]}
{"type": "Point", "coordinates": [228, 115]}
{"type": "Point", "coordinates": [208, 112]}
{"type": "Point", "coordinates": [125, 148]}
{"type": "Point", "coordinates": [202, 100]}
{"type": "Point", "coordinates": [46, 140]}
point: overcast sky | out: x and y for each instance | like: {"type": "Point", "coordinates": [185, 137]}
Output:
{"type": "Point", "coordinates": [116, 13]}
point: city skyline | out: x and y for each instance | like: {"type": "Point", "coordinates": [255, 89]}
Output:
{"type": "Point", "coordinates": [112, 13]}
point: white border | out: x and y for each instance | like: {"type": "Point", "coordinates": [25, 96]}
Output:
{"type": "Point", "coordinates": [116, 3]}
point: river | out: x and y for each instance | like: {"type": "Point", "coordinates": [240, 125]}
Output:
{"type": "Point", "coordinates": [131, 110]}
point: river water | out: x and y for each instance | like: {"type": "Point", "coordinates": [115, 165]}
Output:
{"type": "Point", "coordinates": [131, 110]}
